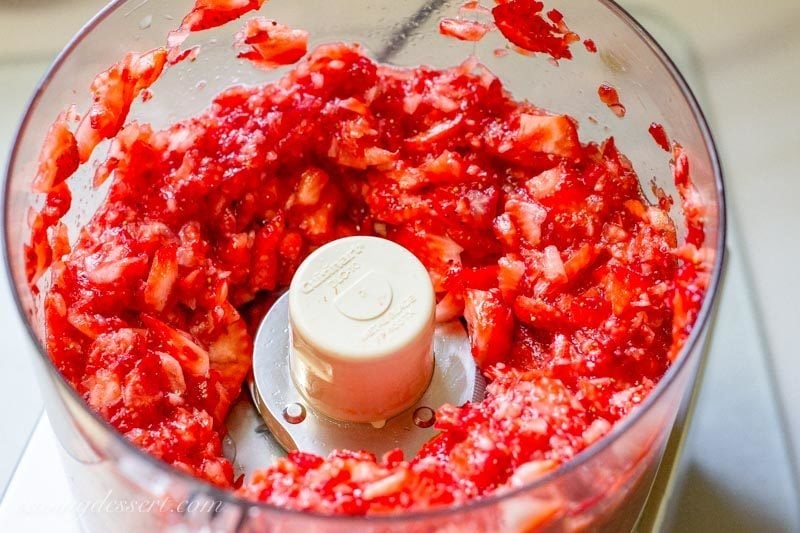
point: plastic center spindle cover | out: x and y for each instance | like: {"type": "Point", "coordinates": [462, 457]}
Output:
{"type": "Point", "coordinates": [361, 316]}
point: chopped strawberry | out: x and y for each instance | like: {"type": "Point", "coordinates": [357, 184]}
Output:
{"type": "Point", "coordinates": [538, 313]}
{"type": "Point", "coordinates": [408, 178]}
{"type": "Point", "coordinates": [446, 167]}
{"type": "Point", "coordinates": [104, 391]}
{"type": "Point", "coordinates": [622, 286]}
{"type": "Point", "coordinates": [172, 369]}
{"type": "Point", "coordinates": [39, 252]}
{"type": "Point", "coordinates": [438, 253]}
{"type": "Point", "coordinates": [449, 307]}
{"type": "Point", "coordinates": [693, 205]}
{"type": "Point", "coordinates": [505, 231]}
{"type": "Point", "coordinates": [113, 92]}
{"type": "Point", "coordinates": [291, 251]}
{"type": "Point", "coordinates": [162, 276]}
{"type": "Point", "coordinates": [234, 255]}
{"type": "Point", "coordinates": [309, 189]}
{"type": "Point", "coordinates": [463, 30]}
{"type": "Point", "coordinates": [186, 439]}
{"type": "Point", "coordinates": [490, 324]}
{"type": "Point", "coordinates": [438, 132]}
{"type": "Point", "coordinates": [208, 14]}
{"type": "Point", "coordinates": [132, 138]}
{"type": "Point", "coordinates": [179, 344]}
{"type": "Point", "coordinates": [520, 21]}
{"type": "Point", "coordinates": [59, 158]}
{"type": "Point", "coordinates": [91, 324]}
{"type": "Point", "coordinates": [579, 261]}
{"type": "Point", "coordinates": [527, 217]}
{"type": "Point", "coordinates": [355, 144]}
{"type": "Point", "coordinates": [549, 134]}
{"type": "Point", "coordinates": [546, 183]}
{"type": "Point", "coordinates": [264, 270]}
{"type": "Point", "coordinates": [38, 257]}
{"type": "Point", "coordinates": [59, 241]}
{"type": "Point", "coordinates": [510, 276]}
{"type": "Point", "coordinates": [269, 45]}
{"type": "Point", "coordinates": [459, 280]}
{"type": "Point", "coordinates": [553, 265]}
{"type": "Point", "coordinates": [230, 356]}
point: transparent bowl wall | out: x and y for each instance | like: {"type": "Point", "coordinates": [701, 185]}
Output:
{"type": "Point", "coordinates": [606, 486]}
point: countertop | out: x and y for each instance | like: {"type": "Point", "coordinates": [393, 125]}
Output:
{"type": "Point", "coordinates": [741, 464]}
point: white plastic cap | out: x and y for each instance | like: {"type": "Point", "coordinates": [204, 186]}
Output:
{"type": "Point", "coordinates": [361, 316]}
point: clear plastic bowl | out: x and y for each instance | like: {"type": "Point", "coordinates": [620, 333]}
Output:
{"type": "Point", "coordinates": [605, 486]}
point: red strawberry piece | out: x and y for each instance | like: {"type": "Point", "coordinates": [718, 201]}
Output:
{"type": "Point", "coordinates": [490, 324]}
{"type": "Point", "coordinates": [113, 92]}
{"type": "Point", "coordinates": [540, 314]}
{"type": "Point", "coordinates": [270, 45]}
{"type": "Point", "coordinates": [208, 14]}
{"type": "Point", "coordinates": [230, 355]}
{"type": "Point", "coordinates": [549, 134]}
{"type": "Point", "coordinates": [179, 344]}
{"type": "Point", "coordinates": [58, 159]}
{"type": "Point", "coordinates": [162, 276]}
{"type": "Point", "coordinates": [450, 307]}
{"type": "Point", "coordinates": [521, 22]}
{"type": "Point", "coordinates": [460, 279]}
{"type": "Point", "coordinates": [310, 186]}
{"type": "Point", "coordinates": [527, 217]}
{"type": "Point", "coordinates": [438, 253]}
{"type": "Point", "coordinates": [463, 29]}
{"type": "Point", "coordinates": [553, 265]}
{"type": "Point", "coordinates": [264, 270]}
{"type": "Point", "coordinates": [510, 274]}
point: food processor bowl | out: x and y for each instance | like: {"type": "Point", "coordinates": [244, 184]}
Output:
{"type": "Point", "coordinates": [605, 486]}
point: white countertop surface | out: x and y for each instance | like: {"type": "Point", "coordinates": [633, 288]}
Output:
{"type": "Point", "coordinates": [740, 468]}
